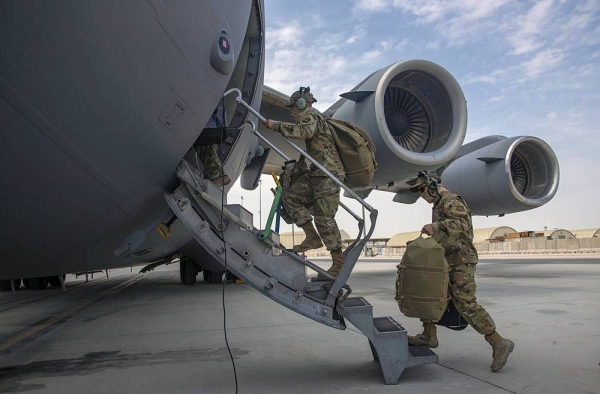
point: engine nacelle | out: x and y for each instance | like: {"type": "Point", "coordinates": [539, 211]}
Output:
{"type": "Point", "coordinates": [416, 114]}
{"type": "Point", "coordinates": [511, 175]}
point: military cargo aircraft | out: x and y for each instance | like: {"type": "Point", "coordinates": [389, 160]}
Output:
{"type": "Point", "coordinates": [101, 104]}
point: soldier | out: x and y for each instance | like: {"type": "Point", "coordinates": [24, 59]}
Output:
{"type": "Point", "coordinates": [453, 230]}
{"type": "Point", "coordinates": [205, 147]}
{"type": "Point", "coordinates": [213, 169]}
{"type": "Point", "coordinates": [314, 188]}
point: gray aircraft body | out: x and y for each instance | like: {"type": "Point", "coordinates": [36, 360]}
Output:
{"type": "Point", "coordinates": [101, 101]}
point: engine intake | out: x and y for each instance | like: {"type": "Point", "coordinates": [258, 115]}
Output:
{"type": "Point", "coordinates": [416, 114]}
{"type": "Point", "coordinates": [511, 175]}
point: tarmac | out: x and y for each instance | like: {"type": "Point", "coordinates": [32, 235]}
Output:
{"type": "Point", "coordinates": [147, 333]}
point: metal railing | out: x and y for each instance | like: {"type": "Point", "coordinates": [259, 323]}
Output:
{"type": "Point", "coordinates": [352, 253]}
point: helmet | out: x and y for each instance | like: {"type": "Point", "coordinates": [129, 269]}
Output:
{"type": "Point", "coordinates": [424, 178]}
{"type": "Point", "coordinates": [301, 97]}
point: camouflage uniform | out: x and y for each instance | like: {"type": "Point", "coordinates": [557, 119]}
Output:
{"type": "Point", "coordinates": [315, 189]}
{"type": "Point", "coordinates": [210, 160]}
{"type": "Point", "coordinates": [453, 230]}
{"type": "Point", "coordinates": [207, 153]}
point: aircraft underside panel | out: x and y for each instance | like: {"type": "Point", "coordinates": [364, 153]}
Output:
{"type": "Point", "coordinates": [99, 102]}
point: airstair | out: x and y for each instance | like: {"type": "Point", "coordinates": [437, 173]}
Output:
{"type": "Point", "coordinates": [226, 231]}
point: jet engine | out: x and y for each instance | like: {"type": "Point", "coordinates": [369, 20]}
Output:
{"type": "Point", "coordinates": [416, 114]}
{"type": "Point", "coordinates": [510, 175]}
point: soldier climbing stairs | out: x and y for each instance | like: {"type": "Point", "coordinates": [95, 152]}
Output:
{"type": "Point", "coordinates": [227, 233]}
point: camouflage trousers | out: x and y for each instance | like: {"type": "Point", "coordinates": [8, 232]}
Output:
{"type": "Point", "coordinates": [320, 195]}
{"type": "Point", "coordinates": [210, 160]}
{"type": "Point", "coordinates": [462, 292]}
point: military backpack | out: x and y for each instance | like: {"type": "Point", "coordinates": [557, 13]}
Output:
{"type": "Point", "coordinates": [356, 150]}
{"type": "Point", "coordinates": [423, 279]}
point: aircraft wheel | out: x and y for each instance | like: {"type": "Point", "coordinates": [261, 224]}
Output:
{"type": "Point", "coordinates": [187, 272]}
{"type": "Point", "coordinates": [5, 285]}
{"type": "Point", "coordinates": [214, 277]}
{"type": "Point", "coordinates": [55, 280]}
{"type": "Point", "coordinates": [36, 283]}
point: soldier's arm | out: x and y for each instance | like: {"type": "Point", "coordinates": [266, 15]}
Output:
{"type": "Point", "coordinates": [457, 220]}
{"type": "Point", "coordinates": [304, 130]}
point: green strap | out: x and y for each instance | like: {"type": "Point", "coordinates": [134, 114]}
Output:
{"type": "Point", "coordinates": [267, 230]}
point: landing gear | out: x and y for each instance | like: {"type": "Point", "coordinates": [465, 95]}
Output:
{"type": "Point", "coordinates": [230, 276]}
{"type": "Point", "coordinates": [55, 280]}
{"type": "Point", "coordinates": [214, 277]}
{"type": "Point", "coordinates": [36, 283]}
{"type": "Point", "coordinates": [5, 284]}
{"type": "Point", "coordinates": [187, 272]}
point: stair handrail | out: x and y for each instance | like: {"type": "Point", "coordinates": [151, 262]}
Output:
{"type": "Point", "coordinates": [352, 253]}
{"type": "Point", "coordinates": [297, 148]}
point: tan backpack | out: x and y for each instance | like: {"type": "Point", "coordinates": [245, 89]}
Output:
{"type": "Point", "coordinates": [356, 150]}
{"type": "Point", "coordinates": [422, 281]}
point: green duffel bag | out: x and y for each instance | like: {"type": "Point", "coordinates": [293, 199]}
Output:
{"type": "Point", "coordinates": [422, 281]}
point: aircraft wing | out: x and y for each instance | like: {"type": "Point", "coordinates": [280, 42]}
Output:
{"type": "Point", "coordinates": [416, 114]}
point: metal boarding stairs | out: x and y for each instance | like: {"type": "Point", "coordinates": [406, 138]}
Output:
{"type": "Point", "coordinates": [227, 233]}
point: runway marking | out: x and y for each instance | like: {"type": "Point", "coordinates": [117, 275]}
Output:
{"type": "Point", "coordinates": [476, 378]}
{"type": "Point", "coordinates": [16, 340]}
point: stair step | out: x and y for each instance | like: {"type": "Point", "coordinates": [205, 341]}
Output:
{"type": "Point", "coordinates": [387, 324]}
{"type": "Point", "coordinates": [421, 351]}
{"type": "Point", "coordinates": [353, 302]}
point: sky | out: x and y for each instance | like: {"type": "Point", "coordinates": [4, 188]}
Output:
{"type": "Point", "coordinates": [525, 67]}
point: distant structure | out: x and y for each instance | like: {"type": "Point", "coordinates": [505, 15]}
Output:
{"type": "Point", "coordinates": [491, 240]}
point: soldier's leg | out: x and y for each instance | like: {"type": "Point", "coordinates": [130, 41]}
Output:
{"type": "Point", "coordinates": [210, 160]}
{"type": "Point", "coordinates": [295, 199]}
{"type": "Point", "coordinates": [213, 169]}
{"type": "Point", "coordinates": [326, 203]}
{"type": "Point", "coordinates": [462, 282]}
{"type": "Point", "coordinates": [462, 286]}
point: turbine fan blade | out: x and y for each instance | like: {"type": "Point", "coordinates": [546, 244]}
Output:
{"type": "Point", "coordinates": [518, 171]}
{"type": "Point", "coordinates": [407, 119]}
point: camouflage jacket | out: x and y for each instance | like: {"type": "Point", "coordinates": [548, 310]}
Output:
{"type": "Point", "coordinates": [453, 228]}
{"type": "Point", "coordinates": [314, 131]}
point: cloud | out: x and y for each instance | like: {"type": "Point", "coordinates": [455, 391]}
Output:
{"type": "Point", "coordinates": [479, 79]}
{"type": "Point", "coordinates": [576, 29]}
{"type": "Point", "coordinates": [326, 59]}
{"type": "Point", "coordinates": [372, 5]}
{"type": "Point", "coordinates": [456, 21]}
{"type": "Point", "coordinates": [359, 34]}
{"type": "Point", "coordinates": [433, 45]}
{"type": "Point", "coordinates": [403, 44]}
{"type": "Point", "coordinates": [542, 62]}
{"type": "Point", "coordinates": [525, 38]}
{"type": "Point", "coordinates": [475, 133]}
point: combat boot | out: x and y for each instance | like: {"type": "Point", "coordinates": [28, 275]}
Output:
{"type": "Point", "coordinates": [501, 349]}
{"type": "Point", "coordinates": [312, 240]}
{"type": "Point", "coordinates": [427, 338]}
{"type": "Point", "coordinates": [338, 261]}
